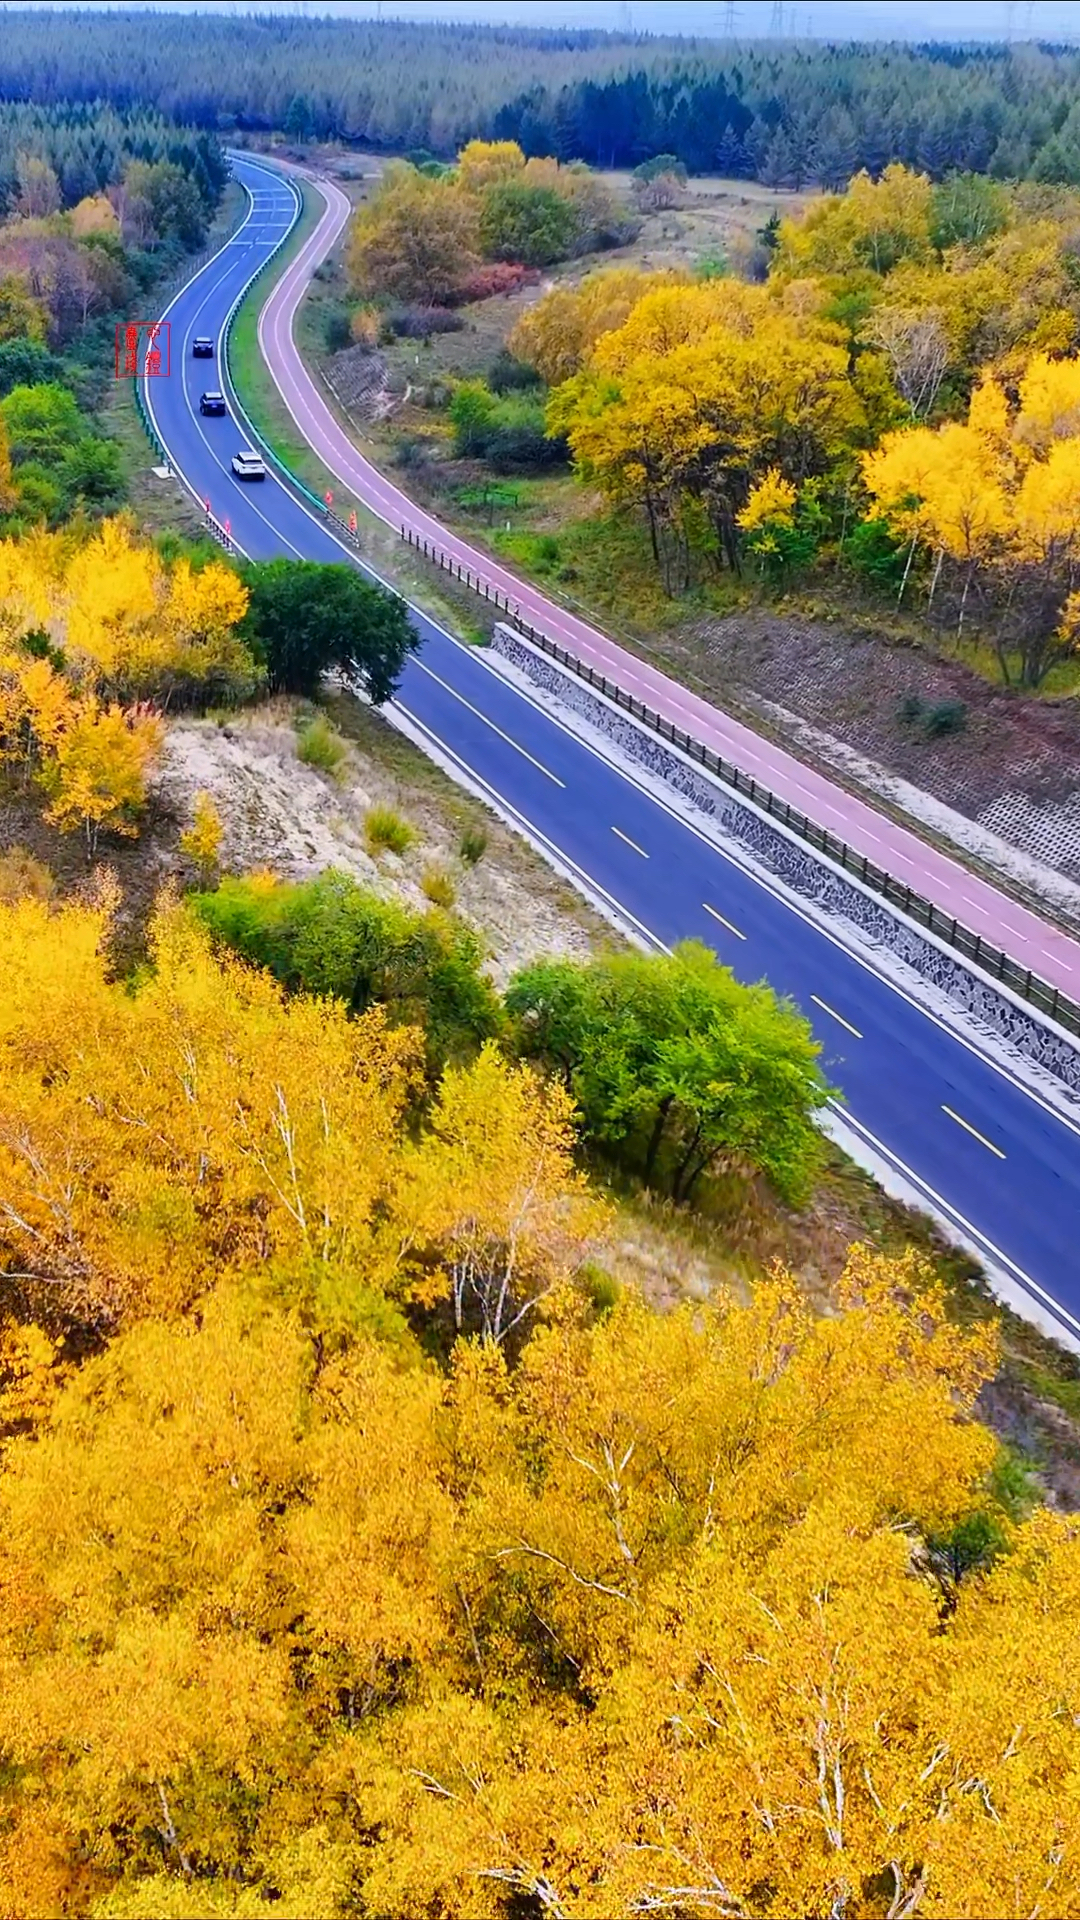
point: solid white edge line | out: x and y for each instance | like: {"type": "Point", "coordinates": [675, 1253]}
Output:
{"type": "Point", "coordinates": [782, 898]}
{"type": "Point", "coordinates": [839, 1120]}
{"type": "Point", "coordinates": [460, 697]}
{"type": "Point", "coordinates": [858, 1141]}
{"type": "Point", "coordinates": [223, 368]}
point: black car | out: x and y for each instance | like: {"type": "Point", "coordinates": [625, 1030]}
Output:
{"type": "Point", "coordinates": [212, 403]}
{"type": "Point", "coordinates": [203, 349]}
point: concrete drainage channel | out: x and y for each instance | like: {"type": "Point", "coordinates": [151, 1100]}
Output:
{"type": "Point", "coordinates": [855, 913]}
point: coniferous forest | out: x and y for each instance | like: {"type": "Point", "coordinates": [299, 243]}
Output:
{"type": "Point", "coordinates": [786, 113]}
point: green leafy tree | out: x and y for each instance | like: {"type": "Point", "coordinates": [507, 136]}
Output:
{"type": "Point", "coordinates": [535, 225]}
{"type": "Point", "coordinates": [331, 936]}
{"type": "Point", "coordinates": [676, 1067]}
{"type": "Point", "coordinates": [91, 470]}
{"type": "Point", "coordinates": [661, 163]}
{"type": "Point", "coordinates": [473, 413]}
{"type": "Point", "coordinates": [304, 619]}
{"type": "Point", "coordinates": [43, 422]}
{"type": "Point", "coordinates": [965, 210]}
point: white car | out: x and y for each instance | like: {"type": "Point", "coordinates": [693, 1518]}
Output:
{"type": "Point", "coordinates": [248, 466]}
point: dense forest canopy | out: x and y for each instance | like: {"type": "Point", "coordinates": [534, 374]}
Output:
{"type": "Point", "coordinates": [778, 111]}
{"type": "Point", "coordinates": [91, 144]}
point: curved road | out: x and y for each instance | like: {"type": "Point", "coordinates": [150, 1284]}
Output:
{"type": "Point", "coordinates": [984, 1152]}
{"type": "Point", "coordinates": [1033, 944]}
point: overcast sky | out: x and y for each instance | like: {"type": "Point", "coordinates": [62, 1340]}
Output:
{"type": "Point", "coordinates": [823, 19]}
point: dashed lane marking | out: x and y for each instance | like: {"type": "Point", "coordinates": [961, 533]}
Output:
{"type": "Point", "coordinates": [723, 922]}
{"type": "Point", "coordinates": [833, 1015]}
{"type": "Point", "coordinates": [974, 1132]}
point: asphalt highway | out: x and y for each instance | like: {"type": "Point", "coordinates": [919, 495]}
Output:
{"type": "Point", "coordinates": [984, 1152]}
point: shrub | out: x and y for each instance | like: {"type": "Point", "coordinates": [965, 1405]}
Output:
{"type": "Point", "coordinates": [535, 225]}
{"type": "Point", "coordinates": [417, 323]}
{"type": "Point", "coordinates": [508, 375]}
{"type": "Point", "coordinates": [946, 716]}
{"type": "Point", "coordinates": [872, 550]}
{"type": "Point", "coordinates": [949, 716]}
{"type": "Point", "coordinates": [661, 163]}
{"type": "Point", "coordinates": [332, 936]}
{"type": "Point", "coordinates": [337, 329]}
{"type": "Point", "coordinates": [365, 327]}
{"type": "Point", "coordinates": [508, 432]}
{"type": "Point", "coordinates": [410, 450]}
{"type": "Point", "coordinates": [320, 746]}
{"type": "Point", "coordinates": [438, 887]}
{"type": "Point", "coordinates": [472, 846]}
{"type": "Point", "coordinates": [24, 878]}
{"type": "Point", "coordinates": [386, 832]}
{"type": "Point", "coordinates": [493, 278]}
{"type": "Point", "coordinates": [524, 447]}
{"type": "Point", "coordinates": [473, 413]}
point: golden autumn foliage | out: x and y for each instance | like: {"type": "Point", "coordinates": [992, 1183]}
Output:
{"type": "Point", "coordinates": [557, 335]}
{"type": "Point", "coordinates": [96, 774]}
{"type": "Point", "coordinates": [998, 497]}
{"type": "Point", "coordinates": [126, 623]}
{"type": "Point", "coordinates": [486, 163]}
{"type": "Point", "coordinates": [92, 629]}
{"type": "Point", "coordinates": [201, 842]}
{"type": "Point", "coordinates": [205, 1126]}
{"type": "Point", "coordinates": [647, 1622]}
{"type": "Point", "coordinates": [702, 391]}
{"type": "Point", "coordinates": [304, 1603]}
{"type": "Point", "coordinates": [415, 238]}
{"type": "Point", "coordinates": [883, 308]}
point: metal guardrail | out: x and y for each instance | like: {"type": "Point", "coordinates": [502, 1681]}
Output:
{"type": "Point", "coordinates": [991, 960]}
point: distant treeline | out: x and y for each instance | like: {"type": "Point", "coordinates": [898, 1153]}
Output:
{"type": "Point", "coordinates": [782, 112]}
{"type": "Point", "coordinates": [90, 144]}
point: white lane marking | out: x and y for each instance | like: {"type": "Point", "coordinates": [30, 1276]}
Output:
{"type": "Point", "coordinates": [445, 684]}
{"type": "Point", "coordinates": [723, 922]}
{"type": "Point", "coordinates": [833, 1015]}
{"type": "Point", "coordinates": [954, 1214]}
{"type": "Point", "coordinates": [629, 842]}
{"type": "Point", "coordinates": [974, 1131]}
{"type": "Point", "coordinates": [1047, 955]}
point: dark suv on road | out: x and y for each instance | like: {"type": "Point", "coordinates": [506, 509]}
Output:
{"type": "Point", "coordinates": [203, 349]}
{"type": "Point", "coordinates": [212, 403]}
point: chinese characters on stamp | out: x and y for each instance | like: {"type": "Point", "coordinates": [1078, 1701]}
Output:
{"type": "Point", "coordinates": [142, 349]}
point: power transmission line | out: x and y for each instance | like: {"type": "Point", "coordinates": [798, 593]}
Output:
{"type": "Point", "coordinates": [776, 24]}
